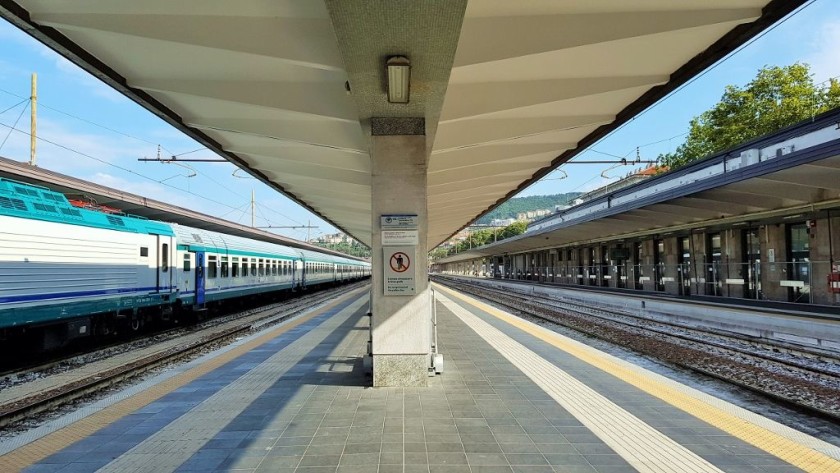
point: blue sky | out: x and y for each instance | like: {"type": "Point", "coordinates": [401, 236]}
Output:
{"type": "Point", "coordinates": [98, 134]}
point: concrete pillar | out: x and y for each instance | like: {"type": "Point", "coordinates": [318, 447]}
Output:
{"type": "Point", "coordinates": [401, 324]}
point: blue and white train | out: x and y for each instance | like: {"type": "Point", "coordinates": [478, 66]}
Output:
{"type": "Point", "coordinates": [68, 272]}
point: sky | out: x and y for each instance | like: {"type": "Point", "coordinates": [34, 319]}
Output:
{"type": "Point", "coordinates": [89, 131]}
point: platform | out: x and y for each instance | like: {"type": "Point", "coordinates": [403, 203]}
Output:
{"type": "Point", "coordinates": [514, 397]}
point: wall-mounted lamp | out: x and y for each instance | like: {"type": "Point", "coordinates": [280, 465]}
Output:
{"type": "Point", "coordinates": [399, 77]}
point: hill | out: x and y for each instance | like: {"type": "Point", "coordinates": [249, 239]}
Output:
{"type": "Point", "coordinates": [523, 204]}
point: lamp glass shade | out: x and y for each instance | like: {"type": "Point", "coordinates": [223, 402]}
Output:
{"type": "Point", "coordinates": [399, 77]}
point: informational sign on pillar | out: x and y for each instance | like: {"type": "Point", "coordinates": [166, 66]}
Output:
{"type": "Point", "coordinates": [399, 270]}
{"type": "Point", "coordinates": [399, 248]}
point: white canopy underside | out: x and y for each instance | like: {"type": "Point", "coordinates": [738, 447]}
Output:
{"type": "Point", "coordinates": [263, 82]}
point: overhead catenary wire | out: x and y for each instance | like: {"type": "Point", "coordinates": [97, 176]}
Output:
{"type": "Point", "coordinates": [130, 171]}
{"type": "Point", "coordinates": [85, 120]}
{"type": "Point", "coordinates": [14, 125]}
{"type": "Point", "coordinates": [15, 105]}
{"type": "Point", "coordinates": [216, 182]}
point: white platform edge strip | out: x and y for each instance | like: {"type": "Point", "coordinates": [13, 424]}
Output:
{"type": "Point", "coordinates": [644, 447]}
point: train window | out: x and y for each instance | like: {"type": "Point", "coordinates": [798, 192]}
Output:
{"type": "Point", "coordinates": [283, 268]}
{"type": "Point", "coordinates": [187, 262]}
{"type": "Point", "coordinates": [144, 251]}
{"type": "Point", "coordinates": [274, 268]}
{"type": "Point", "coordinates": [253, 267]}
{"type": "Point", "coordinates": [164, 257]}
{"type": "Point", "coordinates": [260, 268]}
{"type": "Point", "coordinates": [234, 267]}
{"type": "Point", "coordinates": [225, 272]}
{"type": "Point", "coordinates": [212, 267]}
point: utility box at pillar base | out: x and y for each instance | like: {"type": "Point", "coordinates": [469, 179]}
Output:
{"type": "Point", "coordinates": [398, 269]}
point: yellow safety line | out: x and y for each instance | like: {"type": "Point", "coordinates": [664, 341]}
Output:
{"type": "Point", "coordinates": [794, 453]}
{"type": "Point", "coordinates": [54, 442]}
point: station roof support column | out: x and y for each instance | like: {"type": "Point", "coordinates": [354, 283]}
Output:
{"type": "Point", "coordinates": [401, 322]}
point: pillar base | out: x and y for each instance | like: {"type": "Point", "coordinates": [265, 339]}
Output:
{"type": "Point", "coordinates": [400, 370]}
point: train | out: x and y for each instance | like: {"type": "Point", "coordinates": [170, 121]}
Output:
{"type": "Point", "coordinates": [69, 271]}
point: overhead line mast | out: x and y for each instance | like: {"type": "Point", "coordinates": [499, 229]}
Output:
{"type": "Point", "coordinates": [34, 106]}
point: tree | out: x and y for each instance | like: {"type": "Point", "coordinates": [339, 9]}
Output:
{"type": "Point", "coordinates": [480, 238]}
{"type": "Point", "coordinates": [776, 98]}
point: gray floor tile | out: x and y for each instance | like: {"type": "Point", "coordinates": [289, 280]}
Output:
{"type": "Point", "coordinates": [360, 459]}
{"type": "Point", "coordinates": [564, 459]}
{"type": "Point", "coordinates": [482, 448]}
{"type": "Point", "coordinates": [449, 469]}
{"type": "Point", "coordinates": [352, 448]}
{"type": "Point", "coordinates": [444, 447]}
{"type": "Point", "coordinates": [486, 459]}
{"type": "Point", "coordinates": [491, 469]}
{"type": "Point", "coordinates": [280, 462]}
{"type": "Point", "coordinates": [447, 458]}
{"type": "Point", "coordinates": [526, 459]}
{"type": "Point", "coordinates": [320, 460]}
{"type": "Point", "coordinates": [416, 458]}
{"type": "Point", "coordinates": [396, 468]}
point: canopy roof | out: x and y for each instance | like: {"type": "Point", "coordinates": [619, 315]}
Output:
{"type": "Point", "coordinates": [508, 90]}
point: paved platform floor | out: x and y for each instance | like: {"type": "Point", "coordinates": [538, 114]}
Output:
{"type": "Point", "coordinates": [514, 397]}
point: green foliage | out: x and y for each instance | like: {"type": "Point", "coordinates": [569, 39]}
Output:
{"type": "Point", "coordinates": [353, 249]}
{"type": "Point", "coordinates": [478, 238]}
{"type": "Point", "coordinates": [518, 205]}
{"type": "Point", "coordinates": [776, 98]}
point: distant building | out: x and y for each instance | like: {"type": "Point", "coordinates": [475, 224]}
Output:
{"type": "Point", "coordinates": [631, 178]}
{"type": "Point", "coordinates": [332, 239]}
{"type": "Point", "coordinates": [502, 222]}
{"type": "Point", "coordinates": [532, 214]}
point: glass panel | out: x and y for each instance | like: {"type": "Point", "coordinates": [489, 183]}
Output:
{"type": "Point", "coordinates": [164, 257]}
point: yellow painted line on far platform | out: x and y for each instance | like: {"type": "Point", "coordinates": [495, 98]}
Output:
{"type": "Point", "coordinates": [795, 453]}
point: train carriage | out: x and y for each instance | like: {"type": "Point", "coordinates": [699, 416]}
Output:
{"type": "Point", "coordinates": [68, 272]}
{"type": "Point", "coordinates": [58, 262]}
{"type": "Point", "coordinates": [214, 266]}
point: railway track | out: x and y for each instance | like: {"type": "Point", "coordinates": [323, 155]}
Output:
{"type": "Point", "coordinates": [801, 379]}
{"type": "Point", "coordinates": [51, 390]}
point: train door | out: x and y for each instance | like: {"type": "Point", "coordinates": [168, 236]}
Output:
{"type": "Point", "coordinates": [752, 263]}
{"type": "Point", "coordinates": [684, 266]}
{"type": "Point", "coordinates": [199, 277]}
{"type": "Point", "coordinates": [304, 274]}
{"type": "Point", "coordinates": [185, 282]}
{"type": "Point", "coordinates": [164, 275]}
{"type": "Point", "coordinates": [713, 286]}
